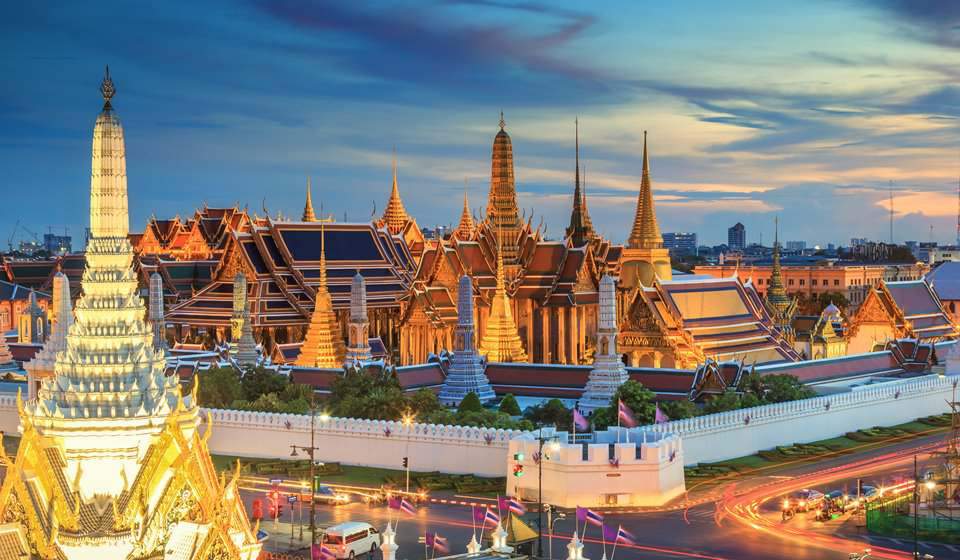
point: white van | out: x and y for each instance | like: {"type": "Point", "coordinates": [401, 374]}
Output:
{"type": "Point", "coordinates": [351, 539]}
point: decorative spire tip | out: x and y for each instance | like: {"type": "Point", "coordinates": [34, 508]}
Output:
{"type": "Point", "coordinates": [503, 123]}
{"type": "Point", "coordinates": [107, 89]}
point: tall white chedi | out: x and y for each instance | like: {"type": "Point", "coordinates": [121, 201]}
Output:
{"type": "Point", "coordinates": [608, 371]}
{"type": "Point", "coordinates": [243, 347]}
{"type": "Point", "coordinates": [110, 464]}
{"type": "Point", "coordinates": [155, 311]}
{"type": "Point", "coordinates": [466, 373]}
{"type": "Point", "coordinates": [109, 381]}
{"type": "Point", "coordinates": [42, 364]}
{"type": "Point", "coordinates": [358, 347]}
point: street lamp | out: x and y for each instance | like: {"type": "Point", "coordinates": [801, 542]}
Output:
{"type": "Point", "coordinates": [311, 452]}
{"type": "Point", "coordinates": [551, 521]}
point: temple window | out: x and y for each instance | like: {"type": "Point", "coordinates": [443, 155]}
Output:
{"type": "Point", "coordinates": [791, 282]}
{"type": "Point", "coordinates": [836, 281]}
{"type": "Point", "coordinates": [801, 281]}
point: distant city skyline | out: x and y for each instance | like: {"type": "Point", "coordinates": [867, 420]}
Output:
{"type": "Point", "coordinates": [754, 110]}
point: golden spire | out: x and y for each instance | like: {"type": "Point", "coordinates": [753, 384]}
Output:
{"type": "Point", "coordinates": [503, 216]}
{"type": "Point", "coordinates": [501, 340]}
{"type": "Point", "coordinates": [464, 229]}
{"type": "Point", "coordinates": [323, 345]}
{"type": "Point", "coordinates": [645, 233]}
{"type": "Point", "coordinates": [395, 215]}
{"type": "Point", "coordinates": [308, 215]}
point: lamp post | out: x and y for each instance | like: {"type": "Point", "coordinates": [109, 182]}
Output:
{"type": "Point", "coordinates": [916, 507]}
{"type": "Point", "coordinates": [311, 452]}
{"type": "Point", "coordinates": [551, 521]}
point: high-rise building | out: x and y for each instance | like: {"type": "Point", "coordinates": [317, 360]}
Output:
{"type": "Point", "coordinates": [57, 244]}
{"type": "Point", "coordinates": [796, 246]}
{"type": "Point", "coordinates": [737, 237]}
{"type": "Point", "coordinates": [680, 243]}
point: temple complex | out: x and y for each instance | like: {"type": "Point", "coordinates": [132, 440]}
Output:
{"type": "Point", "coordinates": [895, 310]}
{"type": "Point", "coordinates": [111, 463]}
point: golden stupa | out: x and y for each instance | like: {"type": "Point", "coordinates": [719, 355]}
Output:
{"type": "Point", "coordinates": [323, 345]}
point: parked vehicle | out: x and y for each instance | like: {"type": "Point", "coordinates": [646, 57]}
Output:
{"type": "Point", "coordinates": [351, 539]}
{"type": "Point", "coordinates": [325, 494]}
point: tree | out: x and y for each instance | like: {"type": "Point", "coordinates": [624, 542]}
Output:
{"type": "Point", "coordinates": [729, 400]}
{"type": "Point", "coordinates": [470, 403]}
{"type": "Point", "coordinates": [510, 406]}
{"type": "Point", "coordinates": [552, 412]}
{"type": "Point", "coordinates": [261, 381]}
{"type": "Point", "coordinates": [678, 410]}
{"type": "Point", "coordinates": [637, 397]}
{"type": "Point", "coordinates": [423, 403]}
{"type": "Point", "coordinates": [219, 387]}
{"type": "Point", "coordinates": [782, 388]}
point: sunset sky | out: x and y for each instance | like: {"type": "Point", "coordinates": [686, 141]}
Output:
{"type": "Point", "coordinates": [806, 110]}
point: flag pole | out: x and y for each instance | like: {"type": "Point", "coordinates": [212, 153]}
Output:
{"type": "Point", "coordinates": [615, 541]}
{"type": "Point", "coordinates": [603, 537]}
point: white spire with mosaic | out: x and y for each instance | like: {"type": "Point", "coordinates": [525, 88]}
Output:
{"type": "Point", "coordinates": [111, 464]}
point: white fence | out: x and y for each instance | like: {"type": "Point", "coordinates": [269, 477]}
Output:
{"type": "Point", "coordinates": [372, 443]}
{"type": "Point", "coordinates": [727, 435]}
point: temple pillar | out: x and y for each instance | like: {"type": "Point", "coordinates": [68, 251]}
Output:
{"type": "Point", "coordinates": [582, 329]}
{"type": "Point", "coordinates": [657, 357]}
{"type": "Point", "coordinates": [572, 325]}
{"type": "Point", "coordinates": [545, 335]}
{"type": "Point", "coordinates": [634, 359]}
{"type": "Point", "coordinates": [561, 336]}
{"type": "Point", "coordinates": [528, 319]}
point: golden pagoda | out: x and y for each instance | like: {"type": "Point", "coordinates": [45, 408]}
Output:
{"type": "Point", "coordinates": [111, 464]}
{"type": "Point", "coordinates": [308, 215]}
{"type": "Point", "coordinates": [395, 215]}
{"type": "Point", "coordinates": [465, 228]}
{"type": "Point", "coordinates": [503, 217]}
{"type": "Point", "coordinates": [501, 340]}
{"type": "Point", "coordinates": [779, 305]}
{"type": "Point", "coordinates": [644, 258]}
{"type": "Point", "coordinates": [323, 345]}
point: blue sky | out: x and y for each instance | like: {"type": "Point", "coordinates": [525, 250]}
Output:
{"type": "Point", "coordinates": [754, 109]}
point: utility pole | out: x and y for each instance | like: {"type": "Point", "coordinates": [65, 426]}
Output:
{"type": "Point", "coordinates": [891, 212]}
{"type": "Point", "coordinates": [311, 452]}
{"type": "Point", "coordinates": [916, 508]}
{"type": "Point", "coordinates": [540, 495]}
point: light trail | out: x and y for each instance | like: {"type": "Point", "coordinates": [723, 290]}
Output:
{"type": "Point", "coordinates": [745, 509]}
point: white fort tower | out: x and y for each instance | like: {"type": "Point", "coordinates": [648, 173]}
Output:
{"type": "Point", "coordinates": [111, 464]}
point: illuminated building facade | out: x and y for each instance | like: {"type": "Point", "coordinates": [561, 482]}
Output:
{"type": "Point", "coordinates": [111, 464]}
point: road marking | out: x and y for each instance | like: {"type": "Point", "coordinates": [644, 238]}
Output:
{"type": "Point", "coordinates": [898, 541]}
{"type": "Point", "coordinates": [952, 548]}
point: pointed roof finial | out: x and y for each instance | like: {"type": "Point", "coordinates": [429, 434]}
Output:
{"type": "Point", "coordinates": [646, 231]}
{"type": "Point", "coordinates": [107, 89]}
{"type": "Point", "coordinates": [503, 123]}
{"type": "Point", "coordinates": [395, 215]}
{"type": "Point", "coordinates": [308, 214]}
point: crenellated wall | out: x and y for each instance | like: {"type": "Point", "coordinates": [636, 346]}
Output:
{"type": "Point", "coordinates": [727, 435]}
{"type": "Point", "coordinates": [373, 443]}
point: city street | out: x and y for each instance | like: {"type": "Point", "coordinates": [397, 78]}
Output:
{"type": "Point", "coordinates": [736, 521]}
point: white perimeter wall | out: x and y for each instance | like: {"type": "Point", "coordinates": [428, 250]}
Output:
{"type": "Point", "coordinates": [727, 435]}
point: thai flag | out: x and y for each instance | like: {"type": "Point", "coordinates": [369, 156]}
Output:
{"type": "Point", "coordinates": [402, 504]}
{"type": "Point", "coordinates": [321, 552]}
{"type": "Point", "coordinates": [491, 516]}
{"type": "Point", "coordinates": [625, 415]}
{"type": "Point", "coordinates": [436, 542]}
{"type": "Point", "coordinates": [479, 515]}
{"type": "Point", "coordinates": [515, 507]}
{"type": "Point", "coordinates": [624, 536]}
{"type": "Point", "coordinates": [660, 417]}
{"type": "Point", "coordinates": [579, 421]}
{"type": "Point", "coordinates": [585, 515]}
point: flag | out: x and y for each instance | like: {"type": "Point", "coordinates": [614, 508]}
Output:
{"type": "Point", "coordinates": [321, 552]}
{"type": "Point", "coordinates": [580, 421]}
{"type": "Point", "coordinates": [593, 518]}
{"type": "Point", "coordinates": [660, 417]}
{"type": "Point", "coordinates": [624, 536]}
{"type": "Point", "coordinates": [402, 504]}
{"type": "Point", "coordinates": [609, 535]}
{"type": "Point", "coordinates": [436, 542]}
{"type": "Point", "coordinates": [581, 514]}
{"type": "Point", "coordinates": [491, 516]}
{"type": "Point", "coordinates": [479, 514]}
{"type": "Point", "coordinates": [515, 506]}
{"type": "Point", "coordinates": [502, 504]}
{"type": "Point", "coordinates": [625, 415]}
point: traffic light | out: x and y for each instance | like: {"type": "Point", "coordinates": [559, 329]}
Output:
{"type": "Point", "coordinates": [518, 457]}
{"type": "Point", "coordinates": [518, 470]}
{"type": "Point", "coordinates": [406, 462]}
{"type": "Point", "coordinates": [279, 509]}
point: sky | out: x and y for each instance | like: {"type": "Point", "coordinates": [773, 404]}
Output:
{"type": "Point", "coordinates": [811, 111]}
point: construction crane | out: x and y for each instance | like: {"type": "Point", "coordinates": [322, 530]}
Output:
{"type": "Point", "coordinates": [12, 235]}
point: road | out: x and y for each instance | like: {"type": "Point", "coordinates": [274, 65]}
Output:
{"type": "Point", "coordinates": [737, 521]}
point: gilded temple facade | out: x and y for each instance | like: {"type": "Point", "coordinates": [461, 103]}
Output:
{"type": "Point", "coordinates": [112, 463]}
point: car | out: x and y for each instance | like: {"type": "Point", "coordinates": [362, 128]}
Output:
{"type": "Point", "coordinates": [325, 494]}
{"type": "Point", "coordinates": [351, 539]}
{"type": "Point", "coordinates": [803, 500]}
